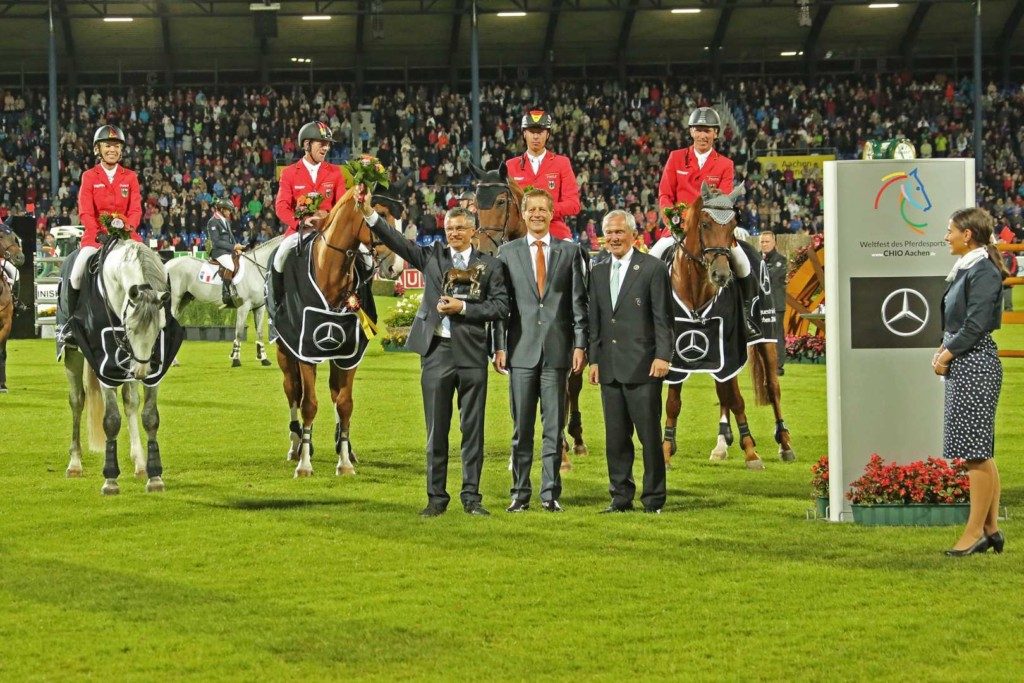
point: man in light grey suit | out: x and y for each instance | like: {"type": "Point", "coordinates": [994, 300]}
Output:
{"type": "Point", "coordinates": [544, 340]}
{"type": "Point", "coordinates": [630, 348]}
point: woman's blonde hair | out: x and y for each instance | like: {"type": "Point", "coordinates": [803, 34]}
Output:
{"type": "Point", "coordinates": [982, 228]}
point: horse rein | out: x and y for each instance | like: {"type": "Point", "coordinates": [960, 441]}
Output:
{"type": "Point", "coordinates": [487, 230]}
{"type": "Point", "coordinates": [703, 261]}
{"type": "Point", "coordinates": [120, 340]}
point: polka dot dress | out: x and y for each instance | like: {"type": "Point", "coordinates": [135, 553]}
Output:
{"type": "Point", "coordinates": [972, 392]}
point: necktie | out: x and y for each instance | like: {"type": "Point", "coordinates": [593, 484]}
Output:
{"type": "Point", "coordinates": [616, 267]}
{"type": "Point", "coordinates": [541, 266]}
{"type": "Point", "coordinates": [459, 261]}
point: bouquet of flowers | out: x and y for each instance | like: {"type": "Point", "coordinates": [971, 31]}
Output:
{"type": "Point", "coordinates": [366, 170]}
{"type": "Point", "coordinates": [819, 477]}
{"type": "Point", "coordinates": [115, 225]}
{"type": "Point", "coordinates": [932, 481]}
{"type": "Point", "coordinates": [676, 216]}
{"type": "Point", "coordinates": [308, 204]}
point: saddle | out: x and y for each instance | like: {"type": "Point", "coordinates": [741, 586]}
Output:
{"type": "Point", "coordinates": [222, 272]}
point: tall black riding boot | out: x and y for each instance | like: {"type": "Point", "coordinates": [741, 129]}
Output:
{"type": "Point", "coordinates": [277, 283]}
{"type": "Point", "coordinates": [226, 294]}
{"type": "Point", "coordinates": [19, 307]}
{"type": "Point", "coordinates": [749, 292]}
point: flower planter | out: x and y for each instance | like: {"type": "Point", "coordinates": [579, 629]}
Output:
{"type": "Point", "coordinates": [821, 507]}
{"type": "Point", "coordinates": [911, 515]}
{"type": "Point", "coordinates": [390, 343]}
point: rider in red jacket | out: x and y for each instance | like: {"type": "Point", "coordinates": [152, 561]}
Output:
{"type": "Point", "coordinates": [106, 188]}
{"type": "Point", "coordinates": [685, 171]}
{"type": "Point", "coordinates": [309, 174]}
{"type": "Point", "coordinates": [545, 170]}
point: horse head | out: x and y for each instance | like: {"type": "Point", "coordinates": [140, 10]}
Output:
{"type": "Point", "coordinates": [499, 217]}
{"type": "Point", "coordinates": [138, 278]}
{"type": "Point", "coordinates": [914, 192]}
{"type": "Point", "coordinates": [10, 247]}
{"type": "Point", "coordinates": [387, 263]}
{"type": "Point", "coordinates": [709, 232]}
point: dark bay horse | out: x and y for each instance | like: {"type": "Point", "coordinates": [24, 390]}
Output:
{"type": "Point", "coordinates": [10, 252]}
{"type": "Point", "coordinates": [499, 213]}
{"type": "Point", "coordinates": [335, 252]}
{"type": "Point", "coordinates": [700, 269]}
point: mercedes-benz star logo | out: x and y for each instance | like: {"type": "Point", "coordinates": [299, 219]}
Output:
{"type": "Point", "coordinates": [328, 336]}
{"type": "Point", "coordinates": [766, 283]}
{"type": "Point", "coordinates": [905, 312]}
{"type": "Point", "coordinates": [692, 346]}
{"type": "Point", "coordinates": [122, 359]}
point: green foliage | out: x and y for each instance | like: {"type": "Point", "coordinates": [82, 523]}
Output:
{"type": "Point", "coordinates": [240, 572]}
{"type": "Point", "coordinates": [205, 314]}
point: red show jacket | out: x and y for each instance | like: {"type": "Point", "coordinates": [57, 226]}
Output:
{"type": "Point", "coordinates": [682, 177]}
{"type": "Point", "coordinates": [295, 182]}
{"type": "Point", "coordinates": [97, 195]}
{"type": "Point", "coordinates": [554, 175]}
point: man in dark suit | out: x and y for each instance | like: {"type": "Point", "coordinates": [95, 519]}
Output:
{"type": "Point", "coordinates": [630, 348]}
{"type": "Point", "coordinates": [452, 337]}
{"type": "Point", "coordinates": [776, 269]}
{"type": "Point", "coordinates": [546, 339]}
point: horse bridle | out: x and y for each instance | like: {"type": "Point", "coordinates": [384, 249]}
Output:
{"type": "Point", "coordinates": [703, 261]}
{"type": "Point", "coordinates": [487, 230]}
{"type": "Point", "coordinates": [121, 341]}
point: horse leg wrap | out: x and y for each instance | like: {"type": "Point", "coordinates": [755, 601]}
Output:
{"type": "Point", "coordinates": [670, 439]}
{"type": "Point", "coordinates": [307, 439]}
{"type": "Point", "coordinates": [339, 437]}
{"type": "Point", "coordinates": [295, 428]}
{"type": "Point", "coordinates": [745, 433]}
{"type": "Point", "coordinates": [780, 426]}
{"type": "Point", "coordinates": [110, 468]}
{"type": "Point", "coordinates": [725, 431]}
{"type": "Point", "coordinates": [154, 468]}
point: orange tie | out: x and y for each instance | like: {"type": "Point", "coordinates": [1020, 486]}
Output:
{"type": "Point", "coordinates": [541, 267]}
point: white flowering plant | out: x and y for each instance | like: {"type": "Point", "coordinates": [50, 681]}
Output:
{"type": "Point", "coordinates": [400, 319]}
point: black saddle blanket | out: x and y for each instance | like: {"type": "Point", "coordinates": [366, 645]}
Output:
{"type": "Point", "coordinates": [710, 340]}
{"type": "Point", "coordinates": [305, 322]}
{"type": "Point", "coordinates": [99, 334]}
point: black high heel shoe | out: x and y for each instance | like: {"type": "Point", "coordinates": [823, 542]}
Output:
{"type": "Point", "coordinates": [980, 546]}
{"type": "Point", "coordinates": [996, 541]}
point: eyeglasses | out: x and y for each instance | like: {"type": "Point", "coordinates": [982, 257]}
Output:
{"type": "Point", "coordinates": [458, 228]}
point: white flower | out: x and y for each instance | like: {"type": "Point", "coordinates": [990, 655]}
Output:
{"type": "Point", "coordinates": [117, 224]}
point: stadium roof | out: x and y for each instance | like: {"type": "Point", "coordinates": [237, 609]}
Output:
{"type": "Point", "coordinates": [182, 36]}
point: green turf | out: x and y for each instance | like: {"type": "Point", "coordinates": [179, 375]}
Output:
{"type": "Point", "coordinates": [239, 571]}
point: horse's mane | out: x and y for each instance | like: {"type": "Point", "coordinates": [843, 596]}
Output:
{"type": "Point", "coordinates": [269, 244]}
{"type": "Point", "coordinates": [152, 267]}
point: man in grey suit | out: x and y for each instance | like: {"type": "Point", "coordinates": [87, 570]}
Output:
{"type": "Point", "coordinates": [630, 348]}
{"type": "Point", "coordinates": [776, 269]}
{"type": "Point", "coordinates": [544, 340]}
{"type": "Point", "coordinates": [452, 337]}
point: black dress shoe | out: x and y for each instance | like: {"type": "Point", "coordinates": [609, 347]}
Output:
{"type": "Point", "coordinates": [476, 509]}
{"type": "Point", "coordinates": [996, 541]}
{"type": "Point", "coordinates": [552, 506]}
{"type": "Point", "coordinates": [617, 508]}
{"type": "Point", "coordinates": [518, 506]}
{"type": "Point", "coordinates": [432, 510]}
{"type": "Point", "coordinates": [980, 546]}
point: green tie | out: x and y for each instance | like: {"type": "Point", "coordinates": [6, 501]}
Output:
{"type": "Point", "coordinates": [615, 281]}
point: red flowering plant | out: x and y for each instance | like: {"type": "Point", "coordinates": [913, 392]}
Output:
{"type": "Point", "coordinates": [308, 204]}
{"type": "Point", "coordinates": [115, 225]}
{"type": "Point", "coordinates": [819, 477]}
{"type": "Point", "coordinates": [930, 482]}
{"type": "Point", "coordinates": [809, 346]}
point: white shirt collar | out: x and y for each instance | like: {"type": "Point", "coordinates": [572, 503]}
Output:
{"type": "Point", "coordinates": [312, 168]}
{"type": "Point", "coordinates": [535, 161]}
{"type": "Point", "coordinates": [625, 258]}
{"type": "Point", "coordinates": [546, 239]}
{"type": "Point", "coordinates": [702, 158]}
{"type": "Point", "coordinates": [111, 173]}
{"type": "Point", "coordinates": [465, 254]}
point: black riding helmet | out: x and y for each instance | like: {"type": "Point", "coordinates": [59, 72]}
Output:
{"type": "Point", "coordinates": [537, 118]}
{"type": "Point", "coordinates": [315, 130]}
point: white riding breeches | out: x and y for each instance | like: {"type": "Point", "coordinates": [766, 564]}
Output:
{"type": "Point", "coordinates": [79, 268]}
{"type": "Point", "coordinates": [9, 270]}
{"type": "Point", "coordinates": [226, 261]}
{"type": "Point", "coordinates": [739, 261]}
{"type": "Point", "coordinates": [661, 245]}
{"type": "Point", "coordinates": [284, 250]}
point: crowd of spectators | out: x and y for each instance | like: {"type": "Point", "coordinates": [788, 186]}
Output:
{"type": "Point", "coordinates": [190, 145]}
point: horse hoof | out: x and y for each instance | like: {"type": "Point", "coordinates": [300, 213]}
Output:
{"type": "Point", "coordinates": [581, 449]}
{"type": "Point", "coordinates": [140, 474]}
{"type": "Point", "coordinates": [301, 473]}
{"type": "Point", "coordinates": [787, 455]}
{"type": "Point", "coordinates": [718, 455]}
{"type": "Point", "coordinates": [265, 362]}
{"type": "Point", "coordinates": [235, 363]}
{"type": "Point", "coordinates": [292, 456]}
{"type": "Point", "coordinates": [566, 466]}
{"type": "Point", "coordinates": [755, 464]}
{"type": "Point", "coordinates": [155, 485]}
{"type": "Point", "coordinates": [345, 470]}
{"type": "Point", "coordinates": [110, 488]}
{"type": "Point", "coordinates": [73, 472]}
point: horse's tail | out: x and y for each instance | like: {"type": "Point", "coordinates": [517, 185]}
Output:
{"type": "Point", "coordinates": [93, 409]}
{"type": "Point", "coordinates": [759, 374]}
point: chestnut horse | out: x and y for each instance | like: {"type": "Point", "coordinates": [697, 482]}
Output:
{"type": "Point", "coordinates": [10, 252]}
{"type": "Point", "coordinates": [499, 213]}
{"type": "Point", "coordinates": [700, 268]}
{"type": "Point", "coordinates": [335, 251]}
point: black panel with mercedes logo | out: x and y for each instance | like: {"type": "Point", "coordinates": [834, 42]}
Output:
{"type": "Point", "coordinates": [896, 312]}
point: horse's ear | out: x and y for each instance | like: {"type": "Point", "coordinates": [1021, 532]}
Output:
{"type": "Point", "coordinates": [133, 292]}
{"type": "Point", "coordinates": [165, 298]}
{"type": "Point", "coordinates": [478, 172]}
{"type": "Point", "coordinates": [503, 172]}
{"type": "Point", "coordinates": [705, 191]}
{"type": "Point", "coordinates": [738, 193]}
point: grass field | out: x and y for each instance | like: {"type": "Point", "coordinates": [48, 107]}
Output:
{"type": "Point", "coordinates": [240, 572]}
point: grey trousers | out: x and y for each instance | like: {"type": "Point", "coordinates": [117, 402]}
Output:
{"type": "Point", "coordinates": [629, 406]}
{"type": "Point", "coordinates": [526, 387]}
